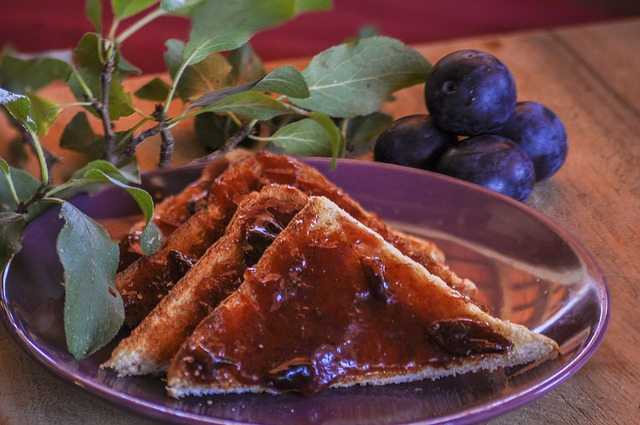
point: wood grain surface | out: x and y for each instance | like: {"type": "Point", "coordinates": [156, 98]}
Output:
{"type": "Point", "coordinates": [590, 76]}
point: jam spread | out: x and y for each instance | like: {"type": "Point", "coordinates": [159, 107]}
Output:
{"type": "Point", "coordinates": [318, 308]}
{"type": "Point", "coordinates": [145, 282]}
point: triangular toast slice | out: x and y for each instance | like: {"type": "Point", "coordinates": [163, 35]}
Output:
{"type": "Point", "coordinates": [332, 304]}
{"type": "Point", "coordinates": [149, 278]}
{"type": "Point", "coordinates": [256, 223]}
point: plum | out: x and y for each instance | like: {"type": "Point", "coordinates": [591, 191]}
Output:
{"type": "Point", "coordinates": [539, 131]}
{"type": "Point", "coordinates": [470, 92]}
{"type": "Point", "coordinates": [412, 141]}
{"type": "Point", "coordinates": [491, 161]}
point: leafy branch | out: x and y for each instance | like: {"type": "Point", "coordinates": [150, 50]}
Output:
{"type": "Point", "coordinates": [330, 108]}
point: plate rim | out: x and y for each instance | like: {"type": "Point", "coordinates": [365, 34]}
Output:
{"type": "Point", "coordinates": [473, 414]}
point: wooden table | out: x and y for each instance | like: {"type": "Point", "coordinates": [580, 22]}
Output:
{"type": "Point", "coordinates": [590, 76]}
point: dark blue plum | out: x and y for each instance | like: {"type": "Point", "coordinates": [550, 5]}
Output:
{"type": "Point", "coordinates": [470, 92]}
{"type": "Point", "coordinates": [539, 131]}
{"type": "Point", "coordinates": [491, 161]}
{"type": "Point", "coordinates": [412, 141]}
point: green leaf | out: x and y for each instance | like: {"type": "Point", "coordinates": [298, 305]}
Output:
{"type": "Point", "coordinates": [156, 90]}
{"type": "Point", "coordinates": [20, 73]}
{"type": "Point", "coordinates": [180, 7]}
{"type": "Point", "coordinates": [170, 5]}
{"type": "Point", "coordinates": [125, 68]}
{"type": "Point", "coordinates": [104, 172]}
{"type": "Point", "coordinates": [355, 78]}
{"type": "Point", "coordinates": [11, 226]}
{"type": "Point", "coordinates": [98, 171]}
{"type": "Point", "coordinates": [23, 183]}
{"type": "Point", "coordinates": [4, 167]}
{"type": "Point", "coordinates": [209, 74]}
{"type": "Point", "coordinates": [285, 80]}
{"type": "Point", "coordinates": [363, 130]}
{"type": "Point", "coordinates": [19, 107]}
{"type": "Point", "coordinates": [129, 169]}
{"type": "Point", "coordinates": [221, 26]}
{"type": "Point", "coordinates": [151, 237]}
{"type": "Point", "coordinates": [312, 5]}
{"type": "Point", "coordinates": [173, 56]}
{"type": "Point", "coordinates": [335, 136]}
{"type": "Point", "coordinates": [90, 178]}
{"type": "Point", "coordinates": [79, 136]}
{"type": "Point", "coordinates": [88, 52]}
{"type": "Point", "coordinates": [93, 308]}
{"type": "Point", "coordinates": [123, 9]}
{"type": "Point", "coordinates": [306, 137]}
{"type": "Point", "coordinates": [245, 65]}
{"type": "Point", "coordinates": [120, 103]}
{"type": "Point", "coordinates": [213, 130]}
{"type": "Point", "coordinates": [89, 57]}
{"type": "Point", "coordinates": [251, 104]}
{"type": "Point", "coordinates": [44, 112]}
{"type": "Point", "coordinates": [93, 11]}
{"type": "Point", "coordinates": [220, 94]}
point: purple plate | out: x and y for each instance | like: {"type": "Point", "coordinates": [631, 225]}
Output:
{"type": "Point", "coordinates": [528, 270]}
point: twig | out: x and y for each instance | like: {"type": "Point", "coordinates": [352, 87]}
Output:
{"type": "Point", "coordinates": [102, 106]}
{"type": "Point", "coordinates": [166, 148]}
{"type": "Point", "coordinates": [135, 141]}
{"type": "Point", "coordinates": [230, 144]}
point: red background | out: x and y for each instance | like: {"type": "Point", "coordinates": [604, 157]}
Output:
{"type": "Point", "coordinates": [36, 25]}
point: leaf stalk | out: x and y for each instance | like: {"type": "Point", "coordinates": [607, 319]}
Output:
{"type": "Point", "coordinates": [136, 26]}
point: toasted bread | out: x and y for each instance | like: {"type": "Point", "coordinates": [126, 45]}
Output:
{"type": "Point", "coordinates": [147, 280]}
{"type": "Point", "coordinates": [174, 210]}
{"type": "Point", "coordinates": [331, 304]}
{"type": "Point", "coordinates": [219, 272]}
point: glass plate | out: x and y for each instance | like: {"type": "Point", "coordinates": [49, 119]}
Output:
{"type": "Point", "coordinates": [528, 270]}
